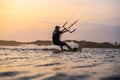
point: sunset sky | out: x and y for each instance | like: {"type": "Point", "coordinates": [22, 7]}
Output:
{"type": "Point", "coordinates": [30, 20]}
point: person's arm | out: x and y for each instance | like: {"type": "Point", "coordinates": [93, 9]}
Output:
{"type": "Point", "coordinates": [66, 30]}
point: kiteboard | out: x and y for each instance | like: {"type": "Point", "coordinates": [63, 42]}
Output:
{"type": "Point", "coordinates": [66, 50]}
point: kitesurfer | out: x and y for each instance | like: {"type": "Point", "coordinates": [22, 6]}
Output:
{"type": "Point", "coordinates": [56, 38]}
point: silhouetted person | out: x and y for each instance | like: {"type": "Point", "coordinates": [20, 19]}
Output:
{"type": "Point", "coordinates": [56, 38]}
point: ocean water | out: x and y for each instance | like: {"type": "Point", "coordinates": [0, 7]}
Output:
{"type": "Point", "coordinates": [32, 62]}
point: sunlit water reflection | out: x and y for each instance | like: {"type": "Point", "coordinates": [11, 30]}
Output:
{"type": "Point", "coordinates": [22, 63]}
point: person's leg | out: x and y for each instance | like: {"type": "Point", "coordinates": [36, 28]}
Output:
{"type": "Point", "coordinates": [61, 48]}
{"type": "Point", "coordinates": [61, 44]}
{"type": "Point", "coordinates": [68, 46]}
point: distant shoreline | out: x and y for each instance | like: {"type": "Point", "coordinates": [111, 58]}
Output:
{"type": "Point", "coordinates": [83, 43]}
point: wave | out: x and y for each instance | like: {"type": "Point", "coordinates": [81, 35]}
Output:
{"type": "Point", "coordinates": [36, 47]}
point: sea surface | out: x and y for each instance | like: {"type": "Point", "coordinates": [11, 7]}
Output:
{"type": "Point", "coordinates": [32, 62]}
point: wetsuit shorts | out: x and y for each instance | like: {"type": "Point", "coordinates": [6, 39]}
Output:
{"type": "Point", "coordinates": [60, 43]}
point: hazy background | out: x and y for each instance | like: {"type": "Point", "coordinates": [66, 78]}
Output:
{"type": "Point", "coordinates": [30, 20]}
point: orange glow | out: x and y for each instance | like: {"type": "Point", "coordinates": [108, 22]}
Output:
{"type": "Point", "coordinates": [39, 16]}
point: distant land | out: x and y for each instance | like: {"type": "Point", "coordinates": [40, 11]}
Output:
{"type": "Point", "coordinates": [82, 43]}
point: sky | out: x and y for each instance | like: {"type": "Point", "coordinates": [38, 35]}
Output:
{"type": "Point", "coordinates": [30, 20]}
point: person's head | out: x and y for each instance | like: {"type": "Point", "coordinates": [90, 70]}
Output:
{"type": "Point", "coordinates": [57, 27]}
